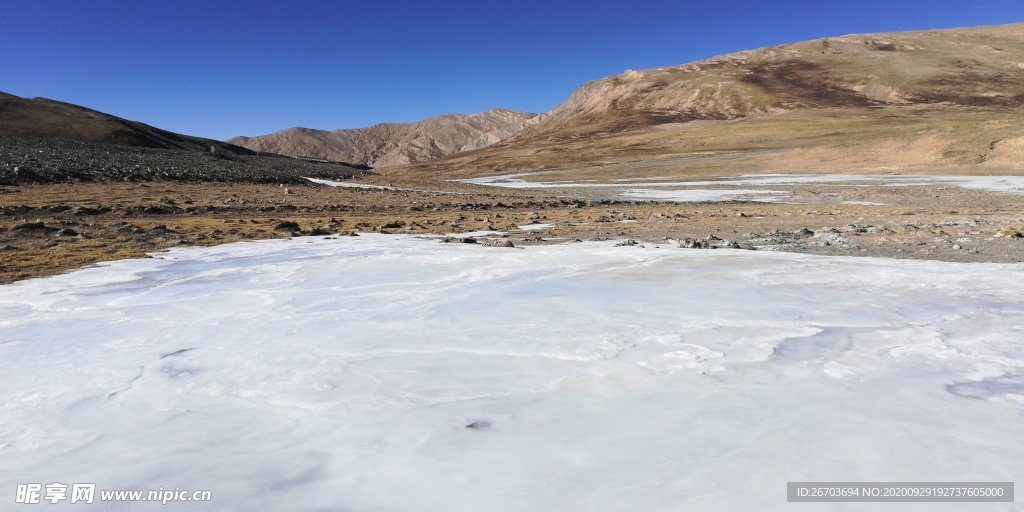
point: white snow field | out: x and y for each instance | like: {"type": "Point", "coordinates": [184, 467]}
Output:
{"type": "Point", "coordinates": [395, 373]}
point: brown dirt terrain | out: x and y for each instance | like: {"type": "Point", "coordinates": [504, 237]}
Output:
{"type": "Point", "coordinates": [52, 228]}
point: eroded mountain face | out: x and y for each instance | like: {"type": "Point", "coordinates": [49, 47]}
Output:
{"type": "Point", "coordinates": [391, 144]}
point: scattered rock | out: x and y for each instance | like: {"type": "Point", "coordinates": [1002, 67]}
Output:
{"type": "Point", "coordinates": [457, 240]}
{"type": "Point", "coordinates": [478, 425]}
{"type": "Point", "coordinates": [85, 210]}
{"type": "Point", "coordinates": [32, 226]}
{"type": "Point", "coordinates": [155, 210]}
{"type": "Point", "coordinates": [709, 242]}
{"type": "Point", "coordinates": [128, 227]}
{"type": "Point", "coordinates": [498, 243]}
{"type": "Point", "coordinates": [287, 226]}
{"type": "Point", "coordinates": [693, 243]}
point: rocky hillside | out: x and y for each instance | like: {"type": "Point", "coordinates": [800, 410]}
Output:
{"type": "Point", "coordinates": [25, 160]}
{"type": "Point", "coordinates": [391, 144]}
{"type": "Point", "coordinates": [942, 101]}
{"type": "Point", "coordinates": [49, 119]}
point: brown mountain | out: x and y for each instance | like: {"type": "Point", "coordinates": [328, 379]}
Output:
{"type": "Point", "coordinates": [391, 144]}
{"type": "Point", "coordinates": [928, 101]}
{"type": "Point", "coordinates": [43, 118]}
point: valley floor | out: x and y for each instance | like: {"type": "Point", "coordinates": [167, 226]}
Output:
{"type": "Point", "coordinates": [52, 228]}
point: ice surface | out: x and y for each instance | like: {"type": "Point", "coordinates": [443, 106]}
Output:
{"type": "Point", "coordinates": [699, 194]}
{"type": "Point", "coordinates": [388, 372]}
{"type": "Point", "coordinates": [348, 184]}
{"type": "Point", "coordinates": [535, 226]}
{"type": "Point", "coordinates": [673, 189]}
{"type": "Point", "coordinates": [482, 233]}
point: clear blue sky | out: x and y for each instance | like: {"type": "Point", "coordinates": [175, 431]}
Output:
{"type": "Point", "coordinates": [224, 68]}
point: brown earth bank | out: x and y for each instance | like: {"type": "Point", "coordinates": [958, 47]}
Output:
{"type": "Point", "coordinates": [47, 229]}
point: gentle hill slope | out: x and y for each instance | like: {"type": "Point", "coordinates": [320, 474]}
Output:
{"type": "Point", "coordinates": [391, 144]}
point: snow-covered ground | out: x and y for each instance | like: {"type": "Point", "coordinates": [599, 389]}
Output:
{"type": "Point", "coordinates": [535, 226]}
{"type": "Point", "coordinates": [387, 372]}
{"type": "Point", "coordinates": [704, 194]}
{"type": "Point", "coordinates": [348, 184]}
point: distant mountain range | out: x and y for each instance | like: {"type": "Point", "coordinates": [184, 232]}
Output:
{"type": "Point", "coordinates": [392, 144]}
{"type": "Point", "coordinates": [382, 145]}
{"type": "Point", "coordinates": [932, 100]}
{"type": "Point", "coordinates": [43, 118]}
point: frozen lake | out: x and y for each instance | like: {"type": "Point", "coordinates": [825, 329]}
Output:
{"type": "Point", "coordinates": [665, 188]}
{"type": "Point", "coordinates": [388, 372]}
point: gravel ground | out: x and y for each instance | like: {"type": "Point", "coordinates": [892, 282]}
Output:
{"type": "Point", "coordinates": [28, 160]}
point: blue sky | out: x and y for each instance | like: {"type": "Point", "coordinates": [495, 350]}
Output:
{"type": "Point", "coordinates": [224, 68]}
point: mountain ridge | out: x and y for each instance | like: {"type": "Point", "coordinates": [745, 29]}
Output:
{"type": "Point", "coordinates": [392, 144]}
